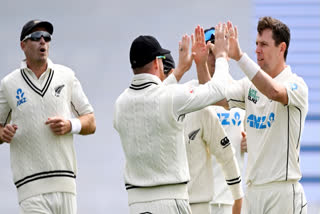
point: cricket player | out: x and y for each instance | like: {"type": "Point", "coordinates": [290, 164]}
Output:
{"type": "Point", "coordinates": [204, 137]}
{"type": "Point", "coordinates": [276, 104]}
{"type": "Point", "coordinates": [37, 104]}
{"type": "Point", "coordinates": [232, 121]}
{"type": "Point", "coordinates": [148, 117]}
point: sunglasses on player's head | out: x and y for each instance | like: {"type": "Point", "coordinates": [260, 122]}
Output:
{"type": "Point", "coordinates": [36, 36]}
{"type": "Point", "coordinates": [209, 35]}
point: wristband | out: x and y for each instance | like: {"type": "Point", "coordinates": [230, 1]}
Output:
{"type": "Point", "coordinates": [248, 66]}
{"type": "Point", "coordinates": [75, 125]}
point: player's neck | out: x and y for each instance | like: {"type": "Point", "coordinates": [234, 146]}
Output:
{"type": "Point", "coordinates": [38, 68]}
{"type": "Point", "coordinates": [278, 69]}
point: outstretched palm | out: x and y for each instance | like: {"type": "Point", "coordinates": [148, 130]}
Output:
{"type": "Point", "coordinates": [185, 59]}
{"type": "Point", "coordinates": [200, 50]}
{"type": "Point", "coordinates": [234, 47]}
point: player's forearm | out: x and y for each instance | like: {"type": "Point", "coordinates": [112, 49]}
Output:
{"type": "Point", "coordinates": [264, 83]}
{"type": "Point", "coordinates": [267, 86]}
{"type": "Point", "coordinates": [88, 124]}
{"type": "Point", "coordinates": [203, 73]}
{"type": "Point", "coordinates": [236, 208]}
{"type": "Point", "coordinates": [231, 172]}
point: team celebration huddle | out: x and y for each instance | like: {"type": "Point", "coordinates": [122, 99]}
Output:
{"type": "Point", "coordinates": [183, 143]}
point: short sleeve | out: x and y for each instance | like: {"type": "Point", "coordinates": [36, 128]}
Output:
{"type": "Point", "coordinates": [297, 91]}
{"type": "Point", "coordinates": [79, 101]}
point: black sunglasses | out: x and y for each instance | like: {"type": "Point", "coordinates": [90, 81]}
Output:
{"type": "Point", "coordinates": [36, 36]}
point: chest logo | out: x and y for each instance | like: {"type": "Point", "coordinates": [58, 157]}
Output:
{"type": "Point", "coordinates": [226, 117]}
{"type": "Point", "coordinates": [252, 96]}
{"type": "Point", "coordinates": [192, 135]}
{"type": "Point", "coordinates": [20, 97]}
{"type": "Point", "coordinates": [57, 90]}
{"type": "Point", "coordinates": [260, 122]}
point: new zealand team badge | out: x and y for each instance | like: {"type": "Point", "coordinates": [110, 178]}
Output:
{"type": "Point", "coordinates": [20, 97]}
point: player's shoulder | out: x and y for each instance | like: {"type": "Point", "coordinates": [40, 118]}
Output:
{"type": "Point", "coordinates": [294, 81]}
{"type": "Point", "coordinates": [209, 113]}
{"type": "Point", "coordinates": [62, 68]}
{"type": "Point", "coordinates": [12, 76]}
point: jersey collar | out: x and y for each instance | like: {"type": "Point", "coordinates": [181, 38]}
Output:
{"type": "Point", "coordinates": [284, 74]}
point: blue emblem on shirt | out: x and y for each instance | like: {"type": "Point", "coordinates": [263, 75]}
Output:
{"type": "Point", "coordinates": [294, 86]}
{"type": "Point", "coordinates": [20, 97]}
{"type": "Point", "coordinates": [236, 120]}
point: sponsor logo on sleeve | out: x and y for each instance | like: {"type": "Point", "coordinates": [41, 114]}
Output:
{"type": "Point", "coordinates": [225, 142]}
{"type": "Point", "coordinates": [293, 86]}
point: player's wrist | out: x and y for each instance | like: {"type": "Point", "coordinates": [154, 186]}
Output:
{"type": "Point", "coordinates": [75, 125]}
{"type": "Point", "coordinates": [248, 66]}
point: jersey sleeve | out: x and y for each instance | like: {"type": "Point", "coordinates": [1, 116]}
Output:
{"type": "Point", "coordinates": [235, 93]}
{"type": "Point", "coordinates": [219, 145]}
{"type": "Point", "coordinates": [79, 101]}
{"type": "Point", "coordinates": [297, 91]}
{"type": "Point", "coordinates": [5, 110]}
{"type": "Point", "coordinates": [188, 98]}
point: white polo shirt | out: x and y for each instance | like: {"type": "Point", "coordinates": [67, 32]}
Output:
{"type": "Point", "coordinates": [273, 130]}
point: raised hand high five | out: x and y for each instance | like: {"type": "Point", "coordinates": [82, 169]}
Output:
{"type": "Point", "coordinates": [200, 49]}
{"type": "Point", "coordinates": [234, 46]}
{"type": "Point", "coordinates": [221, 46]}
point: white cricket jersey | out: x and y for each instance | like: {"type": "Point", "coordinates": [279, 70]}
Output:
{"type": "Point", "coordinates": [273, 129]}
{"type": "Point", "coordinates": [148, 119]}
{"type": "Point", "coordinates": [41, 161]}
{"type": "Point", "coordinates": [233, 122]}
{"type": "Point", "coordinates": [204, 136]}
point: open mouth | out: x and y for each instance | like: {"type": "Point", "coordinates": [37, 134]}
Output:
{"type": "Point", "coordinates": [42, 50]}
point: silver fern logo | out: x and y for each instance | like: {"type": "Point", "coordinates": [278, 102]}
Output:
{"type": "Point", "coordinates": [57, 90]}
{"type": "Point", "coordinates": [192, 135]}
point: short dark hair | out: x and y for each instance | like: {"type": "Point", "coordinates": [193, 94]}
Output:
{"type": "Point", "coordinates": [280, 31]}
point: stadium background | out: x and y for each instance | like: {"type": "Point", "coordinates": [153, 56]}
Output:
{"type": "Point", "coordinates": [94, 37]}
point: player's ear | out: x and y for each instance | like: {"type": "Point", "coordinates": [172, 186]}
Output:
{"type": "Point", "coordinates": [283, 47]}
{"type": "Point", "coordinates": [156, 63]}
{"type": "Point", "coordinates": [22, 45]}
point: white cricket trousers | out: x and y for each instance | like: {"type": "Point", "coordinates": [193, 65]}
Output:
{"type": "Point", "coordinates": [221, 208]}
{"type": "Point", "coordinates": [50, 203]}
{"type": "Point", "coordinates": [169, 206]}
{"type": "Point", "coordinates": [277, 197]}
